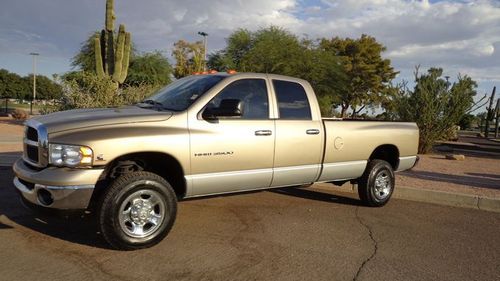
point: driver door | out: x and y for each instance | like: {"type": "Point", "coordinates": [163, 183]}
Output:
{"type": "Point", "coordinates": [234, 153]}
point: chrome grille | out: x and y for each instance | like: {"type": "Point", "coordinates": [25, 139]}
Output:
{"type": "Point", "coordinates": [31, 134]}
{"type": "Point", "coordinates": [35, 144]}
{"type": "Point", "coordinates": [32, 153]}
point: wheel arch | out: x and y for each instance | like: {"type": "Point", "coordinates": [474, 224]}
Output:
{"type": "Point", "coordinates": [160, 163]}
{"type": "Point", "coordinates": [387, 152]}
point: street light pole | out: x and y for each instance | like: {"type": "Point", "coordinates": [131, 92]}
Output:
{"type": "Point", "coordinates": [447, 83]}
{"type": "Point", "coordinates": [204, 34]}
{"type": "Point", "coordinates": [34, 81]}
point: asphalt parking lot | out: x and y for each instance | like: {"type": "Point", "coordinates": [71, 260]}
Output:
{"type": "Point", "coordinates": [285, 234]}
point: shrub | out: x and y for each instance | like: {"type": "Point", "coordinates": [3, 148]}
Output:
{"type": "Point", "coordinates": [46, 109]}
{"type": "Point", "coordinates": [87, 90]}
{"type": "Point", "coordinates": [435, 105]}
{"type": "Point", "coordinates": [20, 114]}
{"type": "Point", "coordinates": [135, 94]}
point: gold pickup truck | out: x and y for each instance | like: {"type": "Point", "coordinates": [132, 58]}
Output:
{"type": "Point", "coordinates": [202, 135]}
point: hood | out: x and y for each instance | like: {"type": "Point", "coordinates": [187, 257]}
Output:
{"type": "Point", "coordinates": [82, 118]}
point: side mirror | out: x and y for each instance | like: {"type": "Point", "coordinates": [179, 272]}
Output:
{"type": "Point", "coordinates": [227, 108]}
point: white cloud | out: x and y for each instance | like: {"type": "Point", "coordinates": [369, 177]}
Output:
{"type": "Point", "coordinates": [460, 36]}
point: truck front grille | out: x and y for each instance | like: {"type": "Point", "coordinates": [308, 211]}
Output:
{"type": "Point", "coordinates": [32, 134]}
{"type": "Point", "coordinates": [32, 153]}
{"type": "Point", "coordinates": [35, 144]}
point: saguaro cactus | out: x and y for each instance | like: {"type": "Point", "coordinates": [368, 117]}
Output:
{"type": "Point", "coordinates": [112, 59]}
{"type": "Point", "coordinates": [490, 113]}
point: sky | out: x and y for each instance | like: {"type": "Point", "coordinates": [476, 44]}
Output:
{"type": "Point", "coordinates": [461, 36]}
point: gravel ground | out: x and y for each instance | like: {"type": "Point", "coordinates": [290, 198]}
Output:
{"type": "Point", "coordinates": [475, 175]}
{"type": "Point", "coordinates": [11, 134]}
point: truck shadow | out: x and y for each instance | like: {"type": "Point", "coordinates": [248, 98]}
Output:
{"type": "Point", "coordinates": [73, 228]}
{"type": "Point", "coordinates": [316, 195]}
{"type": "Point", "coordinates": [472, 179]}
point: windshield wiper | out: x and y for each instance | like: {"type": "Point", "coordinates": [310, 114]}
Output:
{"type": "Point", "coordinates": [150, 104]}
{"type": "Point", "coordinates": [154, 105]}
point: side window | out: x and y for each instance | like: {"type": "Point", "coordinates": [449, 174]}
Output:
{"type": "Point", "coordinates": [253, 94]}
{"type": "Point", "coordinates": [292, 100]}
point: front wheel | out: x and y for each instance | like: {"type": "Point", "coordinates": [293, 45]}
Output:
{"type": "Point", "coordinates": [137, 211]}
{"type": "Point", "coordinates": [376, 185]}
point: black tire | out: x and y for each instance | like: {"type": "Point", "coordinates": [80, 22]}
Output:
{"type": "Point", "coordinates": [369, 192]}
{"type": "Point", "coordinates": [142, 189]}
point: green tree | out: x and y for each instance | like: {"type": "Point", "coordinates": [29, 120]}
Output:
{"type": "Point", "coordinates": [268, 50]}
{"type": "Point", "coordinates": [85, 58]}
{"type": "Point", "coordinates": [275, 50]}
{"type": "Point", "coordinates": [466, 122]}
{"type": "Point", "coordinates": [46, 89]}
{"type": "Point", "coordinates": [324, 71]}
{"type": "Point", "coordinates": [12, 85]}
{"type": "Point", "coordinates": [481, 117]}
{"type": "Point", "coordinates": [149, 68]}
{"type": "Point", "coordinates": [435, 105]}
{"type": "Point", "coordinates": [220, 61]}
{"type": "Point", "coordinates": [188, 57]}
{"type": "Point", "coordinates": [368, 74]}
{"type": "Point", "coordinates": [271, 50]}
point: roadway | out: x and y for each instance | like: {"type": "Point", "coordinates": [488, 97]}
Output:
{"type": "Point", "coordinates": [285, 234]}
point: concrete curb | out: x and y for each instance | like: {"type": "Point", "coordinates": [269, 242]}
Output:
{"type": "Point", "coordinates": [429, 196]}
{"type": "Point", "coordinates": [448, 198]}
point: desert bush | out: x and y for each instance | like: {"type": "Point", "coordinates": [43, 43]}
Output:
{"type": "Point", "coordinates": [87, 90]}
{"type": "Point", "coordinates": [48, 108]}
{"type": "Point", "coordinates": [435, 105]}
{"type": "Point", "coordinates": [450, 134]}
{"type": "Point", "coordinates": [137, 93]}
{"type": "Point", "coordinates": [20, 114]}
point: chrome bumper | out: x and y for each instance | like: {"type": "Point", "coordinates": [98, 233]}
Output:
{"type": "Point", "coordinates": [56, 197]}
{"type": "Point", "coordinates": [68, 193]}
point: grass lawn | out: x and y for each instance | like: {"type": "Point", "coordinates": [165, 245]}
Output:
{"type": "Point", "coordinates": [23, 106]}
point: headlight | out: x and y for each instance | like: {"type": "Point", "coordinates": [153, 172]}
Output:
{"type": "Point", "coordinates": [70, 155]}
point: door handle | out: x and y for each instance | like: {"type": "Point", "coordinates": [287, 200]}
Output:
{"type": "Point", "coordinates": [263, 133]}
{"type": "Point", "coordinates": [312, 132]}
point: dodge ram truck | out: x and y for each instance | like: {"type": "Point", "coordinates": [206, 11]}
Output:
{"type": "Point", "coordinates": [201, 135]}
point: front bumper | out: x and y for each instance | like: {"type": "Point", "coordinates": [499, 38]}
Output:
{"type": "Point", "coordinates": [57, 188]}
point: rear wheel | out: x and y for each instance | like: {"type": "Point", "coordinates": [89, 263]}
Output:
{"type": "Point", "coordinates": [137, 211]}
{"type": "Point", "coordinates": [376, 186]}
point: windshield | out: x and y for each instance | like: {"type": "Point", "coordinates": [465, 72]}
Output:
{"type": "Point", "coordinates": [179, 95]}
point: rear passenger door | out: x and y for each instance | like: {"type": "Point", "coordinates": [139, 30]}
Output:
{"type": "Point", "coordinates": [299, 137]}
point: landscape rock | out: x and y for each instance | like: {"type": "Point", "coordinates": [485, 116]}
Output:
{"type": "Point", "coordinates": [458, 157]}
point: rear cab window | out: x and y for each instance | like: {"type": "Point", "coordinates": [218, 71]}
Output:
{"type": "Point", "coordinates": [292, 100]}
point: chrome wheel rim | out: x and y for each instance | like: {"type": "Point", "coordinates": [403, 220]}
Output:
{"type": "Point", "coordinates": [141, 213]}
{"type": "Point", "coordinates": [383, 185]}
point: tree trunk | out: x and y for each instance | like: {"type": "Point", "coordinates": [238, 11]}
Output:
{"type": "Point", "coordinates": [343, 110]}
{"type": "Point", "coordinates": [356, 112]}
